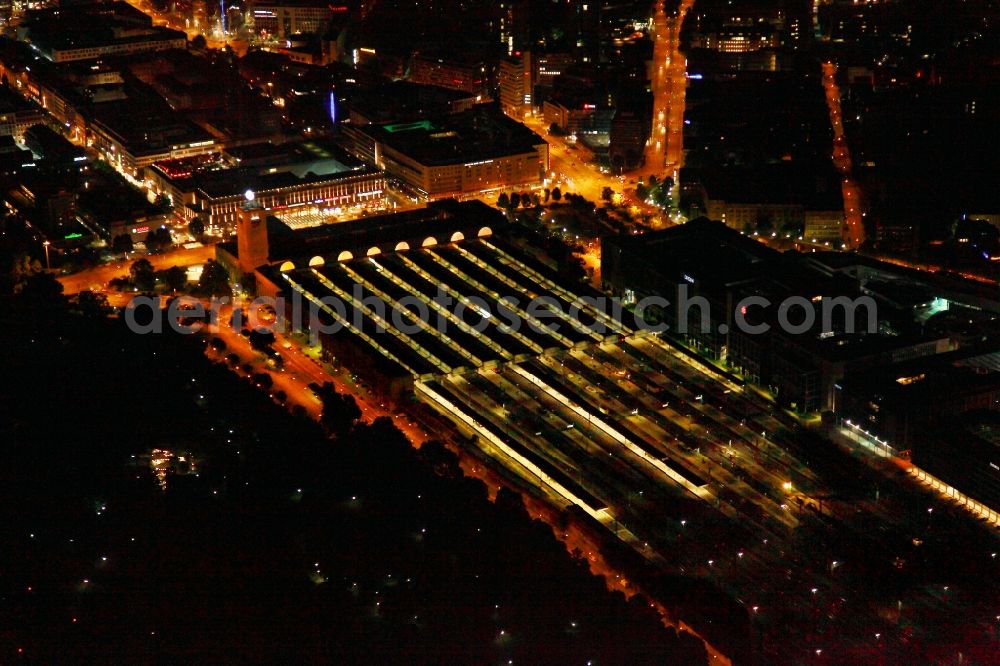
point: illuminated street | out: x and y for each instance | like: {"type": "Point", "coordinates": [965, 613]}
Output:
{"type": "Point", "coordinates": [299, 370]}
{"type": "Point", "coordinates": [176, 23]}
{"type": "Point", "coordinates": [853, 204]}
{"type": "Point", "coordinates": [569, 170]}
{"type": "Point", "coordinates": [665, 151]}
{"type": "Point", "coordinates": [97, 278]}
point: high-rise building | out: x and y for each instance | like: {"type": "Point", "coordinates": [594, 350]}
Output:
{"type": "Point", "coordinates": [550, 66]}
{"type": "Point", "coordinates": [514, 24]}
{"type": "Point", "coordinates": [583, 22]}
{"type": "Point", "coordinates": [627, 141]}
{"type": "Point", "coordinates": [517, 81]}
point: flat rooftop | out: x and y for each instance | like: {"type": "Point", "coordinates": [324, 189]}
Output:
{"type": "Point", "coordinates": [262, 167]}
{"type": "Point", "coordinates": [480, 133]}
{"type": "Point", "coordinates": [12, 102]}
{"type": "Point", "coordinates": [702, 248]}
{"type": "Point", "coordinates": [147, 125]}
{"type": "Point", "coordinates": [318, 157]}
{"type": "Point", "coordinates": [814, 186]}
{"type": "Point", "coordinates": [92, 26]}
{"type": "Point", "coordinates": [233, 182]}
{"type": "Point", "coordinates": [401, 100]}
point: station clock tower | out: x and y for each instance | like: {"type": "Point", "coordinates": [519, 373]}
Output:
{"type": "Point", "coordinates": [251, 234]}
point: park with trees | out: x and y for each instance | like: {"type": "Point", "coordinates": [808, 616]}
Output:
{"type": "Point", "coordinates": [295, 542]}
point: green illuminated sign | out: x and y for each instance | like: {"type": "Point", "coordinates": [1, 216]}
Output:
{"type": "Point", "coordinates": [407, 127]}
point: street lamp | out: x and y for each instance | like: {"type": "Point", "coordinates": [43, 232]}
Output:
{"type": "Point", "coordinates": [46, 245]}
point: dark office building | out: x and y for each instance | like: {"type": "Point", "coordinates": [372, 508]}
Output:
{"type": "Point", "coordinates": [801, 364]}
{"type": "Point", "coordinates": [629, 133]}
{"type": "Point", "coordinates": [53, 148]}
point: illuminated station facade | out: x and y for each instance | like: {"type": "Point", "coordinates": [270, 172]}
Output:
{"type": "Point", "coordinates": [284, 177]}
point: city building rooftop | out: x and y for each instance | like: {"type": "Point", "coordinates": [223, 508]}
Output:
{"type": "Point", "coordinates": [317, 157]}
{"type": "Point", "coordinates": [701, 249]}
{"type": "Point", "coordinates": [62, 33]}
{"type": "Point", "coordinates": [480, 133]}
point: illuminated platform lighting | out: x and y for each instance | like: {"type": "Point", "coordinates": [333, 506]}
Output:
{"type": "Point", "coordinates": [882, 449]}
